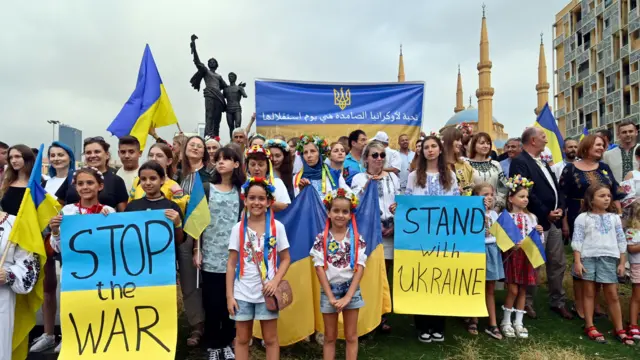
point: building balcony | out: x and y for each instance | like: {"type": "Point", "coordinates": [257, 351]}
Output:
{"type": "Point", "coordinates": [560, 113]}
{"type": "Point", "coordinates": [558, 40]}
{"type": "Point", "coordinates": [608, 119]}
{"type": "Point", "coordinates": [635, 108]}
{"type": "Point", "coordinates": [633, 14]}
{"type": "Point", "coordinates": [573, 80]}
{"type": "Point", "coordinates": [634, 24]}
{"type": "Point", "coordinates": [579, 102]}
{"type": "Point", "coordinates": [634, 77]}
{"type": "Point", "coordinates": [591, 97]}
{"type": "Point", "coordinates": [624, 51]}
{"type": "Point", "coordinates": [599, 8]}
{"type": "Point", "coordinates": [601, 93]}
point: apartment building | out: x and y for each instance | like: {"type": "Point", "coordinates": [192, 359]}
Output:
{"type": "Point", "coordinates": [596, 56]}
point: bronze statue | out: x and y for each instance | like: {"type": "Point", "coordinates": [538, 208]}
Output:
{"type": "Point", "coordinates": [234, 93]}
{"type": "Point", "coordinates": [214, 103]}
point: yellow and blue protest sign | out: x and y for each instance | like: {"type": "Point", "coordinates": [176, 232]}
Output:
{"type": "Point", "coordinates": [439, 256]}
{"type": "Point", "coordinates": [118, 286]}
{"type": "Point", "coordinates": [292, 108]}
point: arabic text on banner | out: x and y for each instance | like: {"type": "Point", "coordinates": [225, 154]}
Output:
{"type": "Point", "coordinates": [439, 256]}
{"type": "Point", "coordinates": [118, 295]}
{"type": "Point", "coordinates": [334, 110]}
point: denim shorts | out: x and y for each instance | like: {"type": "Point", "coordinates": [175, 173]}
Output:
{"type": "Point", "coordinates": [253, 311]}
{"type": "Point", "coordinates": [339, 291]}
{"type": "Point", "coordinates": [601, 269]}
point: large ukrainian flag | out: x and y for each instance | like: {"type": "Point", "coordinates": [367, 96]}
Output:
{"type": "Point", "coordinates": [548, 124]}
{"type": "Point", "coordinates": [148, 106]}
{"type": "Point", "coordinates": [36, 209]}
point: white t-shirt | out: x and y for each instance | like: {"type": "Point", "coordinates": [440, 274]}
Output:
{"type": "Point", "coordinates": [338, 269]}
{"type": "Point", "coordinates": [249, 287]}
{"type": "Point", "coordinates": [281, 194]}
{"type": "Point", "coordinates": [128, 177]}
{"type": "Point", "coordinates": [53, 184]}
{"type": "Point", "coordinates": [393, 159]}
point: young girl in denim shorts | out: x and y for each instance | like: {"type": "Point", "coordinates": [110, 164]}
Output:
{"type": "Point", "coordinates": [339, 258]}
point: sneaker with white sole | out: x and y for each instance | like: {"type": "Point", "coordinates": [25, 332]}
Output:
{"type": "Point", "coordinates": [425, 338]}
{"type": "Point", "coordinates": [214, 354]}
{"type": "Point", "coordinates": [228, 353]}
{"type": "Point", "coordinates": [57, 350]}
{"type": "Point", "coordinates": [437, 337]}
{"type": "Point", "coordinates": [43, 343]}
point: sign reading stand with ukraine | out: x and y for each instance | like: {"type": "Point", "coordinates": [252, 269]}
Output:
{"type": "Point", "coordinates": [439, 256]}
{"type": "Point", "coordinates": [118, 295]}
{"type": "Point", "coordinates": [292, 108]}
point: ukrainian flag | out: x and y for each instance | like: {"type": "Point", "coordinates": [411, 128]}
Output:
{"type": "Point", "coordinates": [548, 124]}
{"type": "Point", "coordinates": [148, 106]}
{"type": "Point", "coordinates": [36, 209]}
{"type": "Point", "coordinates": [585, 132]}
{"type": "Point", "coordinates": [197, 216]}
{"type": "Point", "coordinates": [532, 246]}
{"type": "Point", "coordinates": [505, 231]}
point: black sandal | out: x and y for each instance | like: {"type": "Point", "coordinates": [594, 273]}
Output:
{"type": "Point", "coordinates": [472, 328]}
{"type": "Point", "coordinates": [384, 327]}
{"type": "Point", "coordinates": [494, 332]}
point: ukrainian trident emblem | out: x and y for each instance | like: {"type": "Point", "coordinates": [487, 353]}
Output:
{"type": "Point", "coordinates": [342, 98]}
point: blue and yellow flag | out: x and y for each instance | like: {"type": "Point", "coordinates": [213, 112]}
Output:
{"type": "Point", "coordinates": [148, 106]}
{"type": "Point", "coordinates": [585, 132]}
{"type": "Point", "coordinates": [197, 215]}
{"type": "Point", "coordinates": [548, 124]}
{"type": "Point", "coordinates": [36, 209]}
{"type": "Point", "coordinates": [505, 231]}
{"type": "Point", "coordinates": [532, 246]}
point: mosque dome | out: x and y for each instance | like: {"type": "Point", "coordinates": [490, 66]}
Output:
{"type": "Point", "coordinates": [468, 115]}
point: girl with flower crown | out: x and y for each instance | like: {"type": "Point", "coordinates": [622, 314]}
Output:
{"type": "Point", "coordinates": [339, 258]}
{"type": "Point", "coordinates": [573, 183]}
{"type": "Point", "coordinates": [88, 182]}
{"type": "Point", "coordinates": [258, 261]}
{"type": "Point", "coordinates": [519, 273]}
{"type": "Point", "coordinates": [315, 172]}
{"type": "Point", "coordinates": [259, 164]}
{"type": "Point", "coordinates": [282, 163]}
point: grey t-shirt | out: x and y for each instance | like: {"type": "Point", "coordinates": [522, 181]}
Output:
{"type": "Point", "coordinates": [224, 208]}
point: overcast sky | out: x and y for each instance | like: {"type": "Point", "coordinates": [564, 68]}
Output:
{"type": "Point", "coordinates": [77, 61]}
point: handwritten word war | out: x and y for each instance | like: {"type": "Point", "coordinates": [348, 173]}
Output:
{"type": "Point", "coordinates": [444, 221]}
{"type": "Point", "coordinates": [131, 238]}
{"type": "Point", "coordinates": [118, 329]}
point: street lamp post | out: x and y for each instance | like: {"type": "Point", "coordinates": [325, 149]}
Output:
{"type": "Point", "coordinates": [53, 128]}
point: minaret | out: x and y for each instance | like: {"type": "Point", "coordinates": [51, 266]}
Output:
{"type": "Point", "coordinates": [485, 91]}
{"type": "Point", "coordinates": [543, 86]}
{"type": "Point", "coordinates": [401, 67]}
{"type": "Point", "coordinates": [459, 97]}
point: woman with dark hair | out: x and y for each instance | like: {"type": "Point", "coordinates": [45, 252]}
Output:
{"type": "Point", "coordinates": [115, 193]}
{"type": "Point", "coordinates": [61, 168]}
{"type": "Point", "coordinates": [211, 255]}
{"type": "Point", "coordinates": [194, 159]}
{"type": "Point", "coordinates": [259, 165]}
{"type": "Point", "coordinates": [16, 178]}
{"type": "Point", "coordinates": [452, 144]}
{"type": "Point", "coordinates": [281, 161]}
{"type": "Point", "coordinates": [486, 170]}
{"type": "Point", "coordinates": [414, 163]}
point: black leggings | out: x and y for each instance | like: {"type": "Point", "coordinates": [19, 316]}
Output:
{"type": "Point", "coordinates": [219, 330]}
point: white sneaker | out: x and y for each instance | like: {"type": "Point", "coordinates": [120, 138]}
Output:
{"type": "Point", "coordinates": [43, 343]}
{"type": "Point", "coordinates": [57, 350]}
{"type": "Point", "coordinates": [425, 338]}
{"type": "Point", "coordinates": [437, 337]}
{"type": "Point", "coordinates": [320, 338]}
{"type": "Point", "coordinates": [214, 354]}
{"type": "Point", "coordinates": [228, 353]}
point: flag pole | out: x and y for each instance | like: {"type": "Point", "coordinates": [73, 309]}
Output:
{"type": "Point", "coordinates": [5, 253]}
{"type": "Point", "coordinates": [179, 128]}
{"type": "Point", "coordinates": [198, 270]}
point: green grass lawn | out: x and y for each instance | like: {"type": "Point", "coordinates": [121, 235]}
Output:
{"type": "Point", "coordinates": [550, 338]}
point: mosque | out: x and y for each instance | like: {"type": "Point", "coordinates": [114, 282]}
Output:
{"type": "Point", "coordinates": [481, 118]}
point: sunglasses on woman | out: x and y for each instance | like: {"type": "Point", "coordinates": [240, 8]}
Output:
{"type": "Point", "coordinates": [380, 155]}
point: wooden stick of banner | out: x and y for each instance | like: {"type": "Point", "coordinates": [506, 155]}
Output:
{"type": "Point", "coordinates": [179, 128]}
{"type": "Point", "coordinates": [5, 253]}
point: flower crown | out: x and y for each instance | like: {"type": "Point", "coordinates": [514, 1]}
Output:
{"type": "Point", "coordinates": [465, 126]}
{"type": "Point", "coordinates": [257, 136]}
{"type": "Point", "coordinates": [257, 149]}
{"type": "Point", "coordinates": [435, 135]}
{"type": "Point", "coordinates": [318, 141]}
{"type": "Point", "coordinates": [518, 181]}
{"type": "Point", "coordinates": [341, 193]}
{"type": "Point", "coordinates": [75, 173]}
{"type": "Point", "coordinates": [260, 181]}
{"type": "Point", "coordinates": [207, 138]}
{"type": "Point", "coordinates": [277, 143]}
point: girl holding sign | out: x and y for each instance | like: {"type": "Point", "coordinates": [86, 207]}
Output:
{"type": "Point", "coordinates": [256, 244]}
{"type": "Point", "coordinates": [88, 182]}
{"type": "Point", "coordinates": [339, 258]}
{"type": "Point", "coordinates": [519, 273]}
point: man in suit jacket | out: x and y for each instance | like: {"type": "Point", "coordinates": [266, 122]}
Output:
{"type": "Point", "coordinates": [546, 203]}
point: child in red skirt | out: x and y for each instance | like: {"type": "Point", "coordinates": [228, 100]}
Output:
{"type": "Point", "coordinates": [519, 273]}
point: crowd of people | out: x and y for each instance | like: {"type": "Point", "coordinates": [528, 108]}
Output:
{"type": "Point", "coordinates": [587, 200]}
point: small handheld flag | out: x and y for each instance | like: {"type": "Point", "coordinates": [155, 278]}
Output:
{"type": "Point", "coordinates": [197, 216]}
{"type": "Point", "coordinates": [505, 231]}
{"type": "Point", "coordinates": [148, 106]}
{"type": "Point", "coordinates": [533, 248]}
{"type": "Point", "coordinates": [585, 132]}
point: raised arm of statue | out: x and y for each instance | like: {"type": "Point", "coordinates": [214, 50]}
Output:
{"type": "Point", "coordinates": [196, 58]}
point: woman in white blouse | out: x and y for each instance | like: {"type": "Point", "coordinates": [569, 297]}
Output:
{"type": "Point", "coordinates": [486, 170]}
